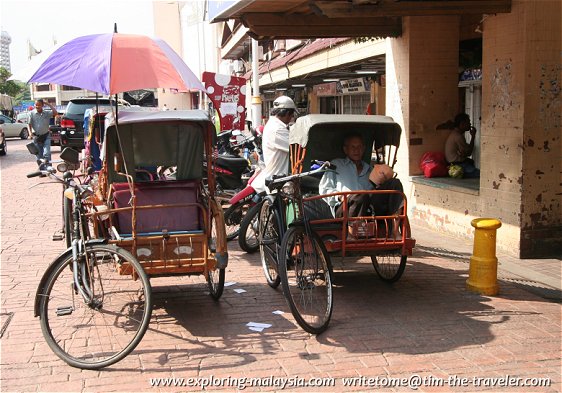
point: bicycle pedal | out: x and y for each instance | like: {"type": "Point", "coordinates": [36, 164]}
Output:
{"type": "Point", "coordinates": [57, 236]}
{"type": "Point", "coordinates": [62, 311]}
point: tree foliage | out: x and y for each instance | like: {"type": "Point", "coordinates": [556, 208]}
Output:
{"type": "Point", "coordinates": [10, 88]}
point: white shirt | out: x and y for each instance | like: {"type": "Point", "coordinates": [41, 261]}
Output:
{"type": "Point", "coordinates": [345, 179]}
{"type": "Point", "coordinates": [275, 145]}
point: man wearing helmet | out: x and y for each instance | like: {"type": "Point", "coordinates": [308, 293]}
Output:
{"type": "Point", "coordinates": [275, 142]}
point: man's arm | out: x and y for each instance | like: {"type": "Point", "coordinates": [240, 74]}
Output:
{"type": "Point", "coordinates": [30, 128]}
{"type": "Point", "coordinates": [328, 184]}
{"type": "Point", "coordinates": [53, 109]}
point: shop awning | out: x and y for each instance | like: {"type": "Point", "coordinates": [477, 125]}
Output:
{"type": "Point", "coordinates": [300, 19]}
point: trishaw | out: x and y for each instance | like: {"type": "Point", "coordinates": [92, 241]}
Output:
{"type": "Point", "coordinates": [95, 299]}
{"type": "Point", "coordinates": [298, 234]}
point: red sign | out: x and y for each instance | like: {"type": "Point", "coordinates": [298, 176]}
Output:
{"type": "Point", "coordinates": [228, 95]}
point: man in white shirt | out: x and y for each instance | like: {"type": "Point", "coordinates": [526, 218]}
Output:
{"type": "Point", "coordinates": [275, 142]}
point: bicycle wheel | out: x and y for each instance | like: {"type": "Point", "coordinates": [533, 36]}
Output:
{"type": "Point", "coordinates": [389, 265]}
{"type": "Point", "coordinates": [305, 271]}
{"type": "Point", "coordinates": [269, 238]}
{"type": "Point", "coordinates": [95, 335]}
{"type": "Point", "coordinates": [233, 217]}
{"type": "Point", "coordinates": [215, 276]}
{"type": "Point", "coordinates": [249, 230]}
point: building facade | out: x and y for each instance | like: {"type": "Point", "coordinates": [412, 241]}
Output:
{"type": "Point", "coordinates": [5, 41]}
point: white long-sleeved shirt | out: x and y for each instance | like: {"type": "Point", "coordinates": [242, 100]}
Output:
{"type": "Point", "coordinates": [345, 179]}
{"type": "Point", "coordinates": [275, 145]}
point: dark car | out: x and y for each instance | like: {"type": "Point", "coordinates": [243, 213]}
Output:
{"type": "Point", "coordinates": [55, 128]}
{"type": "Point", "coordinates": [72, 122]}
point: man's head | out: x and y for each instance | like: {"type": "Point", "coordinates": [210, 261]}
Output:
{"type": "Point", "coordinates": [284, 109]}
{"type": "Point", "coordinates": [39, 105]}
{"type": "Point", "coordinates": [462, 122]}
{"type": "Point", "coordinates": [354, 147]}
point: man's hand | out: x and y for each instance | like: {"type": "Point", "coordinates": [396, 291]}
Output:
{"type": "Point", "coordinates": [472, 131]}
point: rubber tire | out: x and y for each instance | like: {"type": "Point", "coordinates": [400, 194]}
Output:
{"type": "Point", "coordinates": [53, 273]}
{"type": "Point", "coordinates": [215, 282]}
{"type": "Point", "coordinates": [24, 134]}
{"type": "Point", "coordinates": [231, 213]}
{"type": "Point", "coordinates": [292, 301]}
{"type": "Point", "coordinates": [390, 272]}
{"type": "Point", "coordinates": [3, 148]}
{"type": "Point", "coordinates": [248, 219]}
{"type": "Point", "coordinates": [273, 280]}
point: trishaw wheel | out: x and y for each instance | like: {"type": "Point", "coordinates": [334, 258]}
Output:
{"type": "Point", "coordinates": [305, 271]}
{"type": "Point", "coordinates": [269, 238]}
{"type": "Point", "coordinates": [232, 219]}
{"type": "Point", "coordinates": [389, 265]}
{"type": "Point", "coordinates": [249, 230]}
{"type": "Point", "coordinates": [104, 329]}
{"type": "Point", "coordinates": [216, 276]}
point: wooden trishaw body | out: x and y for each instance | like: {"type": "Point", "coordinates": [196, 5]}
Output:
{"type": "Point", "coordinates": [320, 137]}
{"type": "Point", "coordinates": [173, 225]}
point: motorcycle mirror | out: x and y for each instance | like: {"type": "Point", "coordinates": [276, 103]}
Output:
{"type": "Point", "coordinates": [32, 148]}
{"type": "Point", "coordinates": [70, 155]}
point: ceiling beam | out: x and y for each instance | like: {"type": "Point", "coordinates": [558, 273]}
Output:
{"type": "Point", "coordinates": [344, 9]}
{"type": "Point", "coordinates": [264, 25]}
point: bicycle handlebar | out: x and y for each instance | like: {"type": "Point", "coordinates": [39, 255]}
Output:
{"type": "Point", "coordinates": [275, 182]}
{"type": "Point", "coordinates": [35, 174]}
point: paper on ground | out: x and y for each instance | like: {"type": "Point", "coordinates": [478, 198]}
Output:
{"type": "Point", "coordinates": [256, 329]}
{"type": "Point", "coordinates": [227, 284]}
{"type": "Point", "coordinates": [239, 290]}
{"type": "Point", "coordinates": [278, 312]}
{"type": "Point", "coordinates": [259, 325]}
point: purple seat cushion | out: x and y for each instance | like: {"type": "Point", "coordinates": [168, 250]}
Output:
{"type": "Point", "coordinates": [159, 219]}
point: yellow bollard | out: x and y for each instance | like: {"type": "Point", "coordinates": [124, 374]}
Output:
{"type": "Point", "coordinates": [483, 271]}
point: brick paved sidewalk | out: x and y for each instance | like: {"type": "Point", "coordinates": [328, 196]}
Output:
{"type": "Point", "coordinates": [426, 324]}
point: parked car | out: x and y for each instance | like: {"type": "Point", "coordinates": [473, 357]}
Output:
{"type": "Point", "coordinates": [12, 128]}
{"type": "Point", "coordinates": [3, 147]}
{"type": "Point", "coordinates": [55, 129]}
{"type": "Point", "coordinates": [23, 117]}
{"type": "Point", "coordinates": [72, 122]}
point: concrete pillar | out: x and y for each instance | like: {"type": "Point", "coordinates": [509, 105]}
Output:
{"type": "Point", "coordinates": [521, 115]}
{"type": "Point", "coordinates": [421, 84]}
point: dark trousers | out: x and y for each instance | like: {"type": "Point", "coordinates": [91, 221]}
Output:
{"type": "Point", "coordinates": [374, 204]}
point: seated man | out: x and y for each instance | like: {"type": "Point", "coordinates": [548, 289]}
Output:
{"type": "Point", "coordinates": [354, 174]}
{"type": "Point", "coordinates": [457, 151]}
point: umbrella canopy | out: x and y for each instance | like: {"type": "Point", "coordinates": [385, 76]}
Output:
{"type": "Point", "coordinates": [114, 63]}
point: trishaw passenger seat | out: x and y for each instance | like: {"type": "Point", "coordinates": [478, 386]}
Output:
{"type": "Point", "coordinates": [318, 209]}
{"type": "Point", "coordinates": [171, 219]}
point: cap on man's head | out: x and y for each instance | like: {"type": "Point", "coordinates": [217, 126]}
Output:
{"type": "Point", "coordinates": [284, 102]}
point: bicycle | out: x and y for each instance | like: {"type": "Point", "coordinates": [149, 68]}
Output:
{"type": "Point", "coordinates": [95, 300]}
{"type": "Point", "coordinates": [293, 254]}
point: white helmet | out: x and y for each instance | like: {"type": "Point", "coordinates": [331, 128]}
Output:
{"type": "Point", "coordinates": [284, 102]}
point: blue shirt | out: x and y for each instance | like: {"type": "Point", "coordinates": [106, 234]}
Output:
{"type": "Point", "coordinates": [344, 179]}
{"type": "Point", "coordinates": [40, 121]}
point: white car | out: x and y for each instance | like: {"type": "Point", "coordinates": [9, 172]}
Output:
{"type": "Point", "coordinates": [12, 128]}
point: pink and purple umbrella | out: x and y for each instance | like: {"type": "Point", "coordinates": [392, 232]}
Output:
{"type": "Point", "coordinates": [114, 63]}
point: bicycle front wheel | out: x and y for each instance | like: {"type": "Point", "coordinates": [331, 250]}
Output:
{"type": "Point", "coordinates": [305, 271]}
{"type": "Point", "coordinates": [249, 230]}
{"type": "Point", "coordinates": [103, 330]}
{"type": "Point", "coordinates": [269, 239]}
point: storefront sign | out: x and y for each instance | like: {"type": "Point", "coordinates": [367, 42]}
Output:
{"type": "Point", "coordinates": [228, 95]}
{"type": "Point", "coordinates": [325, 89]}
{"type": "Point", "coordinates": [352, 86]}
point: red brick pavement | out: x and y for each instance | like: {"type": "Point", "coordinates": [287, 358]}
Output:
{"type": "Point", "coordinates": [427, 324]}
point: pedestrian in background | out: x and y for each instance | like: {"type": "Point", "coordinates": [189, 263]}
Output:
{"type": "Point", "coordinates": [39, 126]}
